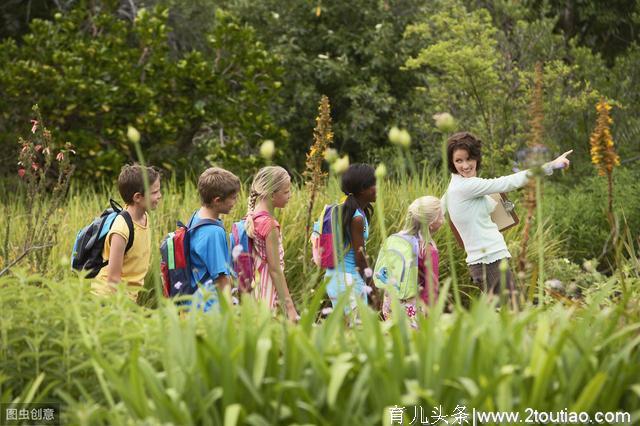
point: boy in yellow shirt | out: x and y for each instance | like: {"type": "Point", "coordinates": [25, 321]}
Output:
{"type": "Point", "coordinates": [129, 267]}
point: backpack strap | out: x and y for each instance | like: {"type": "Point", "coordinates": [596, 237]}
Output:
{"type": "Point", "coordinates": [191, 227]}
{"type": "Point", "coordinates": [204, 222]}
{"type": "Point", "coordinates": [413, 240]}
{"type": "Point", "coordinates": [115, 206]}
{"type": "Point", "coordinates": [127, 218]}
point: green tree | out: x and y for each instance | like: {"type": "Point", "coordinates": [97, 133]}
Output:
{"type": "Point", "coordinates": [351, 52]}
{"type": "Point", "coordinates": [93, 73]}
{"type": "Point", "coordinates": [484, 75]}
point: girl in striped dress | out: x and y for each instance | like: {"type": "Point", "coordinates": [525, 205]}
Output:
{"type": "Point", "coordinates": [271, 189]}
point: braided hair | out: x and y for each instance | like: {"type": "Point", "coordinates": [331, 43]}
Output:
{"type": "Point", "coordinates": [266, 182]}
{"type": "Point", "coordinates": [357, 178]}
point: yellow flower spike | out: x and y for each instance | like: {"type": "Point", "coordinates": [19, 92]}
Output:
{"type": "Point", "coordinates": [602, 151]}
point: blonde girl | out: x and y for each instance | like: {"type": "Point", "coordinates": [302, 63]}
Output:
{"type": "Point", "coordinates": [424, 218]}
{"type": "Point", "coordinates": [271, 189]}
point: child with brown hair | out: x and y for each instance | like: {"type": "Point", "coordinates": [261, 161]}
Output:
{"type": "Point", "coordinates": [130, 267]}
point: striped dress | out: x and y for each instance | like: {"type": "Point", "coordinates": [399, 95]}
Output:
{"type": "Point", "coordinates": [263, 287]}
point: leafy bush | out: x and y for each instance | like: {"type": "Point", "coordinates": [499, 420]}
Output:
{"type": "Point", "coordinates": [579, 213]}
{"type": "Point", "coordinates": [93, 74]}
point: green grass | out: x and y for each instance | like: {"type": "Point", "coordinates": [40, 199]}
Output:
{"type": "Point", "coordinates": [110, 361]}
{"type": "Point", "coordinates": [113, 362]}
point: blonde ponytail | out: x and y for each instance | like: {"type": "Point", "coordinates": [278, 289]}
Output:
{"type": "Point", "coordinates": [421, 213]}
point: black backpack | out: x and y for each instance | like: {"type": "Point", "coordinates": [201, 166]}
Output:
{"type": "Point", "coordinates": [89, 244]}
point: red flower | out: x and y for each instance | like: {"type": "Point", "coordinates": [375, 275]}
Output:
{"type": "Point", "coordinates": [21, 172]}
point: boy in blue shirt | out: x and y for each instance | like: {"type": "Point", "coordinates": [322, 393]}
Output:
{"type": "Point", "coordinates": [209, 248]}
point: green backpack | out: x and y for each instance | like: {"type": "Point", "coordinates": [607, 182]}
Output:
{"type": "Point", "coordinates": [397, 265]}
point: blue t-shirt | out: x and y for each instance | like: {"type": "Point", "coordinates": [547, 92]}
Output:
{"type": "Point", "coordinates": [210, 257]}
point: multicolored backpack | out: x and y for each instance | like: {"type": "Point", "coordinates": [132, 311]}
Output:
{"type": "Point", "coordinates": [322, 241]}
{"type": "Point", "coordinates": [241, 249]}
{"type": "Point", "coordinates": [397, 265]}
{"type": "Point", "coordinates": [175, 266]}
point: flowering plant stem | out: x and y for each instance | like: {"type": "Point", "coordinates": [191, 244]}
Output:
{"type": "Point", "coordinates": [452, 261]}
{"type": "Point", "coordinates": [540, 239]}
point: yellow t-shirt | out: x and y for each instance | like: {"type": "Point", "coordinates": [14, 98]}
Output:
{"type": "Point", "coordinates": [135, 263]}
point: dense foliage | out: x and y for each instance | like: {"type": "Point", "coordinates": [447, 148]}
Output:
{"type": "Point", "coordinates": [205, 85]}
{"type": "Point", "coordinates": [112, 362]}
{"type": "Point", "coordinates": [94, 74]}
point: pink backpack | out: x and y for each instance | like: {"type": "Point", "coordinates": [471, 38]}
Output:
{"type": "Point", "coordinates": [242, 262]}
{"type": "Point", "coordinates": [322, 241]}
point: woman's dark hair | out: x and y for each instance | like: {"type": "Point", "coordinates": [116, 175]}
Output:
{"type": "Point", "coordinates": [466, 141]}
{"type": "Point", "coordinates": [356, 179]}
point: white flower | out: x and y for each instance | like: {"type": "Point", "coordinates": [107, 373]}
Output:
{"type": "Point", "coordinates": [394, 135]}
{"type": "Point", "coordinates": [381, 171]}
{"type": "Point", "coordinates": [341, 165]}
{"type": "Point", "coordinates": [327, 311]}
{"type": "Point", "coordinates": [445, 122]}
{"type": "Point", "coordinates": [330, 155]}
{"type": "Point", "coordinates": [368, 289]}
{"type": "Point", "coordinates": [588, 266]}
{"type": "Point", "coordinates": [368, 272]}
{"type": "Point", "coordinates": [554, 284]}
{"type": "Point", "coordinates": [178, 285]}
{"type": "Point", "coordinates": [267, 149]}
{"type": "Point", "coordinates": [405, 138]}
{"type": "Point", "coordinates": [133, 134]}
{"type": "Point", "coordinates": [400, 137]}
{"type": "Point", "coordinates": [237, 250]}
